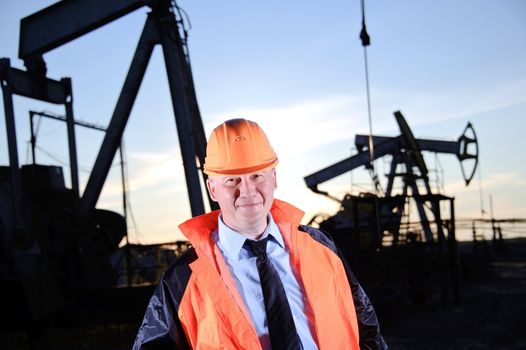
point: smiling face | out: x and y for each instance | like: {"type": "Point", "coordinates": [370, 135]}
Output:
{"type": "Point", "coordinates": [245, 200]}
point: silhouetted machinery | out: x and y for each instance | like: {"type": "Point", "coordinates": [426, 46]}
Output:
{"type": "Point", "coordinates": [392, 256]}
{"type": "Point", "coordinates": [60, 259]}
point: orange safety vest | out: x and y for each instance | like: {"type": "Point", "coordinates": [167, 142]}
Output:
{"type": "Point", "coordinates": [198, 298]}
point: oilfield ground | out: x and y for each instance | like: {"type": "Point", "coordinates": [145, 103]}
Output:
{"type": "Point", "coordinates": [490, 314]}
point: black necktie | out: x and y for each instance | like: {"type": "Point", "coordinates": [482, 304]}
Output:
{"type": "Point", "coordinates": [281, 328]}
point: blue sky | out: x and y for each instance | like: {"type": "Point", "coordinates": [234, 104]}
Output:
{"type": "Point", "coordinates": [297, 68]}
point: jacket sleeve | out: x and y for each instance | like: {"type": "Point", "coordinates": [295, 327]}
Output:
{"type": "Point", "coordinates": [368, 325]}
{"type": "Point", "coordinates": [161, 328]}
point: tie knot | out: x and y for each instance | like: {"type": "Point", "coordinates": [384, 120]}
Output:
{"type": "Point", "coordinates": [259, 248]}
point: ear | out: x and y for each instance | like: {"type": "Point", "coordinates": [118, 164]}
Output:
{"type": "Point", "coordinates": [211, 187]}
{"type": "Point", "coordinates": [275, 178]}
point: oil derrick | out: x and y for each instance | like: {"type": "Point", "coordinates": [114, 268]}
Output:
{"type": "Point", "coordinates": [56, 247]}
{"type": "Point", "coordinates": [392, 257]}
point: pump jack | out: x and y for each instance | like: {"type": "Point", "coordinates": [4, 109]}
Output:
{"type": "Point", "coordinates": [369, 228]}
{"type": "Point", "coordinates": [55, 246]}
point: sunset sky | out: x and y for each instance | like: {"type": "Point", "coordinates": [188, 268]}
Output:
{"type": "Point", "coordinates": [297, 68]}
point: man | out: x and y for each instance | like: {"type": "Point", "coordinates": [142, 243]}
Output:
{"type": "Point", "coordinates": [255, 278]}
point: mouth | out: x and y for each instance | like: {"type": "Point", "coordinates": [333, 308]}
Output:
{"type": "Point", "coordinates": [248, 205]}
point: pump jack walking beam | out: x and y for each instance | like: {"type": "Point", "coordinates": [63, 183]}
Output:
{"type": "Point", "coordinates": [387, 145]}
{"type": "Point", "coordinates": [65, 21]}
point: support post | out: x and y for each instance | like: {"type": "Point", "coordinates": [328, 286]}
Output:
{"type": "Point", "coordinates": [14, 171]}
{"type": "Point", "coordinates": [72, 142]}
{"type": "Point", "coordinates": [419, 201]}
{"type": "Point", "coordinates": [119, 119]}
{"type": "Point", "coordinates": [453, 253]}
{"type": "Point", "coordinates": [33, 139]}
{"type": "Point", "coordinates": [178, 80]}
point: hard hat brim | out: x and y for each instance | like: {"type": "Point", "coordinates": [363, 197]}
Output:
{"type": "Point", "coordinates": [241, 171]}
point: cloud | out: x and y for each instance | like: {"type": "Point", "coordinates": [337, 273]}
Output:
{"type": "Point", "coordinates": [424, 108]}
{"type": "Point", "coordinates": [153, 168]}
{"type": "Point", "coordinates": [494, 181]}
{"type": "Point", "coordinates": [506, 190]}
{"type": "Point", "coordinates": [330, 119]}
{"type": "Point", "coordinates": [158, 173]}
{"type": "Point", "coordinates": [156, 179]}
{"type": "Point", "coordinates": [306, 125]}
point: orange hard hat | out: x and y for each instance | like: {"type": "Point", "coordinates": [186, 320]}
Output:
{"type": "Point", "coordinates": [238, 146]}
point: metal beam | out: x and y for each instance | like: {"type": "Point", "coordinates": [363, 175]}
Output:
{"type": "Point", "coordinates": [419, 202]}
{"type": "Point", "coordinates": [14, 171]}
{"type": "Point", "coordinates": [115, 130]}
{"type": "Point", "coordinates": [180, 86]}
{"type": "Point", "coordinates": [63, 119]}
{"type": "Point", "coordinates": [24, 84]}
{"type": "Point", "coordinates": [67, 20]}
{"type": "Point", "coordinates": [348, 164]}
{"type": "Point", "coordinates": [439, 146]}
{"type": "Point", "coordinates": [198, 132]}
{"type": "Point", "coordinates": [72, 141]}
{"type": "Point", "coordinates": [48, 90]}
{"type": "Point", "coordinates": [383, 145]}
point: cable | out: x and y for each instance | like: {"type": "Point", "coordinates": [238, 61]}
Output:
{"type": "Point", "coordinates": [366, 41]}
{"type": "Point", "coordinates": [61, 161]}
{"type": "Point", "coordinates": [138, 236]}
{"type": "Point", "coordinates": [180, 19]}
{"type": "Point", "coordinates": [52, 156]}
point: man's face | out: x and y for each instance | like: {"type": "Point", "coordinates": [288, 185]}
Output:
{"type": "Point", "coordinates": [245, 200]}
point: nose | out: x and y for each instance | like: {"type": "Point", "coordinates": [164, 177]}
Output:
{"type": "Point", "coordinates": [246, 188]}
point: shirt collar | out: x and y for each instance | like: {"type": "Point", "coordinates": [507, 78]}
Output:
{"type": "Point", "coordinates": [232, 241]}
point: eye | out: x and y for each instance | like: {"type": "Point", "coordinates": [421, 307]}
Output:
{"type": "Point", "coordinates": [231, 181]}
{"type": "Point", "coordinates": [258, 177]}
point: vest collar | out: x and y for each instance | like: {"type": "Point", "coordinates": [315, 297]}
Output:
{"type": "Point", "coordinates": [199, 229]}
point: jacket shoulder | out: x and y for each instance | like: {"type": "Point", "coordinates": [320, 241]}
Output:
{"type": "Point", "coordinates": [320, 236]}
{"type": "Point", "coordinates": [179, 271]}
{"type": "Point", "coordinates": [161, 327]}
